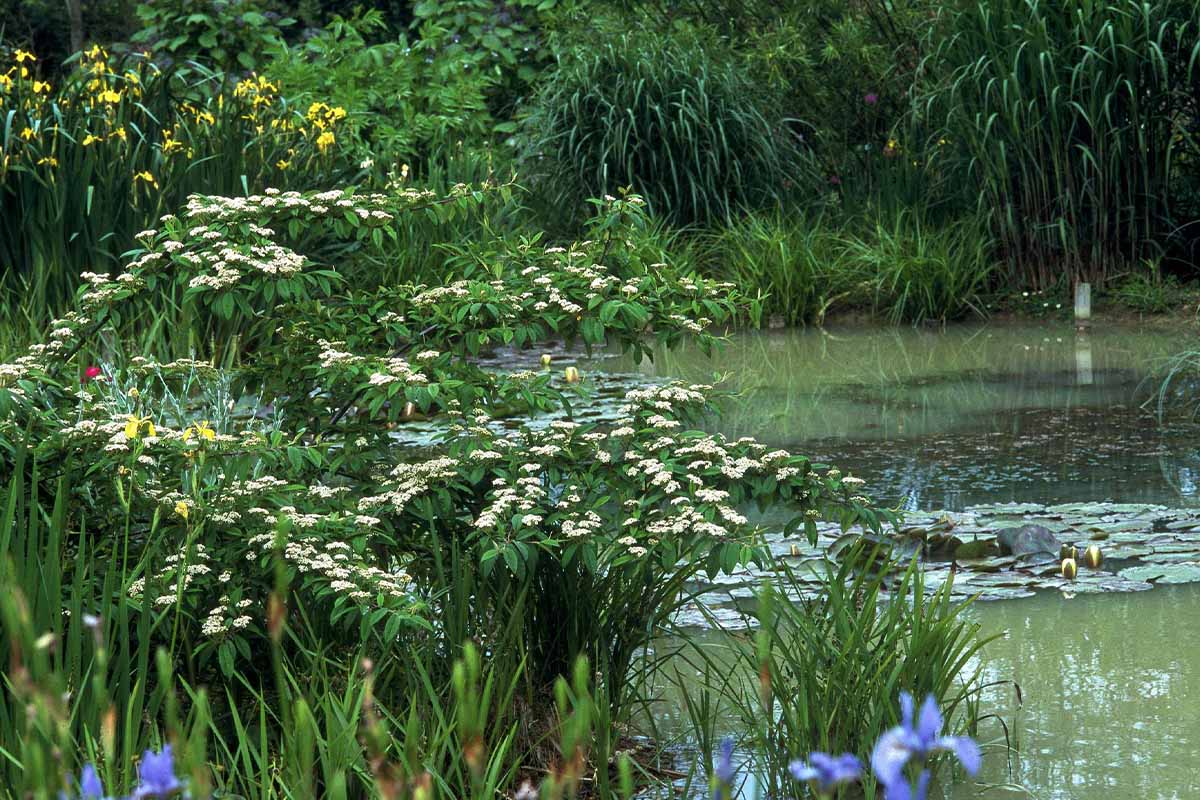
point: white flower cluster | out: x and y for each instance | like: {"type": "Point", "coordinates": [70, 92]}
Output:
{"type": "Point", "coordinates": [393, 370]}
{"type": "Point", "coordinates": [407, 481]}
{"type": "Point", "coordinates": [337, 566]}
{"type": "Point", "coordinates": [177, 576]}
{"type": "Point", "coordinates": [334, 202]}
{"type": "Point", "coordinates": [221, 617]}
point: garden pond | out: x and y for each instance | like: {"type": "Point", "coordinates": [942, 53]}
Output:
{"type": "Point", "coordinates": [972, 429]}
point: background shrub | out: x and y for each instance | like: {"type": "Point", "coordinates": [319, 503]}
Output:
{"type": "Point", "coordinates": [226, 34]}
{"type": "Point", "coordinates": [408, 100]}
{"type": "Point", "coordinates": [676, 117]}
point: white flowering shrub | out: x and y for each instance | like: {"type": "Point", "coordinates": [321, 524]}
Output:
{"type": "Point", "coordinates": [206, 485]}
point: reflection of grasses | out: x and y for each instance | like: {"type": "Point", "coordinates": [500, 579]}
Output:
{"type": "Point", "coordinates": [1179, 376]}
{"type": "Point", "coordinates": [809, 384]}
{"type": "Point", "coordinates": [1083, 681]}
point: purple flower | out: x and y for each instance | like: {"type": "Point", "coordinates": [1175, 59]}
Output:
{"type": "Point", "coordinates": [157, 774]}
{"type": "Point", "coordinates": [900, 790]}
{"type": "Point", "coordinates": [89, 784]}
{"type": "Point", "coordinates": [870, 98]}
{"type": "Point", "coordinates": [908, 741]}
{"type": "Point", "coordinates": [723, 772]}
{"type": "Point", "coordinates": [826, 771]}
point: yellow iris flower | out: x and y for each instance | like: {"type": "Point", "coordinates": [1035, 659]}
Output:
{"type": "Point", "coordinates": [134, 425]}
{"type": "Point", "coordinates": [200, 430]}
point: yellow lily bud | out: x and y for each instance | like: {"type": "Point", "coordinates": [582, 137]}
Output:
{"type": "Point", "coordinates": [545, 359]}
{"type": "Point", "coordinates": [572, 375]}
{"type": "Point", "coordinates": [1069, 569]}
{"type": "Point", "coordinates": [1069, 551]}
{"type": "Point", "coordinates": [1093, 557]}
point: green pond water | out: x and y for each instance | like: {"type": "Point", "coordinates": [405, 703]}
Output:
{"type": "Point", "coordinates": [983, 415]}
{"type": "Point", "coordinates": [942, 419]}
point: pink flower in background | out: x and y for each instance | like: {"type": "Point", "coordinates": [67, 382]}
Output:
{"type": "Point", "coordinates": [834, 180]}
{"type": "Point", "coordinates": [90, 373]}
{"type": "Point", "coordinates": [870, 98]}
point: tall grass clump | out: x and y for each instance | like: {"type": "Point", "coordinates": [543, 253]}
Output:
{"type": "Point", "coordinates": [675, 117]}
{"type": "Point", "coordinates": [920, 272]}
{"type": "Point", "coordinates": [795, 264]}
{"type": "Point", "coordinates": [899, 266]}
{"type": "Point", "coordinates": [822, 670]}
{"type": "Point", "coordinates": [1072, 119]}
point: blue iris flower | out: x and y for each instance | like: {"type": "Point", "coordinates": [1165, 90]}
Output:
{"type": "Point", "coordinates": [90, 787]}
{"type": "Point", "coordinates": [917, 740]}
{"type": "Point", "coordinates": [901, 790]}
{"type": "Point", "coordinates": [157, 775]}
{"type": "Point", "coordinates": [825, 772]}
{"type": "Point", "coordinates": [723, 772]}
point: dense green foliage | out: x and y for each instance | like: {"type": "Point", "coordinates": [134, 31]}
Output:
{"type": "Point", "coordinates": [903, 269]}
{"type": "Point", "coordinates": [409, 102]}
{"type": "Point", "coordinates": [1076, 124]}
{"type": "Point", "coordinates": [682, 123]}
{"type": "Point", "coordinates": [1049, 146]}
{"type": "Point", "coordinates": [215, 508]}
{"type": "Point", "coordinates": [266, 494]}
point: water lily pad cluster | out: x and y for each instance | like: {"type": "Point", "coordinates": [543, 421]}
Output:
{"type": "Point", "coordinates": [997, 552]}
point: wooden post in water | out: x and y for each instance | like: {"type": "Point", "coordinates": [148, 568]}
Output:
{"type": "Point", "coordinates": [1083, 304]}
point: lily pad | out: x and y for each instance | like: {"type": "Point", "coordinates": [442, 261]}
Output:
{"type": "Point", "coordinates": [1164, 573]}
